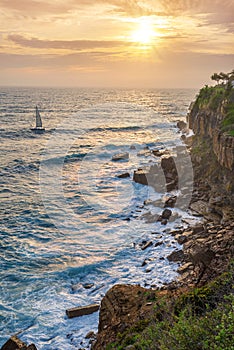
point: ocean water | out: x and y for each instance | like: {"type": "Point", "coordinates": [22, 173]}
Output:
{"type": "Point", "coordinates": [67, 220]}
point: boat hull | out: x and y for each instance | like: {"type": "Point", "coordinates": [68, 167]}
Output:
{"type": "Point", "coordinates": [38, 130]}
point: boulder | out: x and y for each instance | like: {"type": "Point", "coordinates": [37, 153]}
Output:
{"type": "Point", "coordinates": [88, 285]}
{"type": "Point", "coordinates": [14, 343]}
{"type": "Point", "coordinates": [90, 335]}
{"type": "Point", "coordinates": [176, 256]}
{"type": "Point", "coordinates": [141, 176]}
{"type": "Point", "coordinates": [120, 156]}
{"type": "Point", "coordinates": [170, 202]}
{"type": "Point", "coordinates": [83, 310]}
{"type": "Point", "coordinates": [123, 176]}
{"type": "Point", "coordinates": [144, 153]}
{"type": "Point", "coordinates": [199, 207]}
{"type": "Point", "coordinates": [158, 152]}
{"type": "Point", "coordinates": [164, 222]}
{"type": "Point", "coordinates": [181, 239]}
{"type": "Point", "coordinates": [170, 172]}
{"type": "Point", "coordinates": [181, 125]}
{"type": "Point", "coordinates": [147, 245]}
{"type": "Point", "coordinates": [166, 214]}
{"type": "Point", "coordinates": [157, 244]}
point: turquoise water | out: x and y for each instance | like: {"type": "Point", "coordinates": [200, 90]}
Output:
{"type": "Point", "coordinates": [66, 218]}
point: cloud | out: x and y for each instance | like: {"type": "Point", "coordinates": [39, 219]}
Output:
{"type": "Point", "coordinates": [216, 11]}
{"type": "Point", "coordinates": [29, 7]}
{"type": "Point", "coordinates": [77, 45]}
{"type": "Point", "coordinates": [81, 59]}
{"type": "Point", "coordinates": [37, 7]}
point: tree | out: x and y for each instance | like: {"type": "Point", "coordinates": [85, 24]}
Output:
{"type": "Point", "coordinates": [215, 77]}
{"type": "Point", "coordinates": [224, 77]}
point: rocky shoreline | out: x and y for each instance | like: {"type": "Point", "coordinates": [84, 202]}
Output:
{"type": "Point", "coordinates": [208, 247]}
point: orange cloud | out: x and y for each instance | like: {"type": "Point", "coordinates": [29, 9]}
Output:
{"type": "Point", "coordinates": [63, 44]}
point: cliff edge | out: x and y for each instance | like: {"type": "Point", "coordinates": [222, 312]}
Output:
{"type": "Point", "coordinates": [196, 311]}
{"type": "Point", "coordinates": [212, 150]}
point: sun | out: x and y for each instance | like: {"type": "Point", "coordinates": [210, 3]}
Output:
{"type": "Point", "coordinates": [145, 33]}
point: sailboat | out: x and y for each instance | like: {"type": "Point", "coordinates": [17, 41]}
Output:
{"type": "Point", "coordinates": [38, 129]}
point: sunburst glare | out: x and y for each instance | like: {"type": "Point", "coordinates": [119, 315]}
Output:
{"type": "Point", "coordinates": [144, 33]}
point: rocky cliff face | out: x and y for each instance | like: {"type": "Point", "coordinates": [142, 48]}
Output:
{"type": "Point", "coordinates": [207, 248]}
{"type": "Point", "coordinates": [206, 124]}
{"type": "Point", "coordinates": [212, 154]}
{"type": "Point", "coordinates": [121, 308]}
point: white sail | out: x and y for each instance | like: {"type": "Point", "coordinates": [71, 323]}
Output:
{"type": "Point", "coordinates": [38, 119]}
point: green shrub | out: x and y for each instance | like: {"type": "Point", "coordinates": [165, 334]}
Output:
{"type": "Point", "coordinates": [210, 97]}
{"type": "Point", "coordinates": [201, 319]}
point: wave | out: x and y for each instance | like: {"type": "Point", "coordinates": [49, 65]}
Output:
{"type": "Point", "coordinates": [116, 128]}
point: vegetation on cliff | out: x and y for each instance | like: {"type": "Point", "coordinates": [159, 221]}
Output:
{"type": "Point", "coordinates": [219, 98]}
{"type": "Point", "coordinates": [202, 318]}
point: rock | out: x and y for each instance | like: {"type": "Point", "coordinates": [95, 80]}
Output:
{"type": "Point", "coordinates": [170, 202]}
{"type": "Point", "coordinates": [120, 156]}
{"type": "Point", "coordinates": [170, 172]}
{"type": "Point", "coordinates": [90, 335]}
{"type": "Point", "coordinates": [201, 255]}
{"type": "Point", "coordinates": [144, 263]}
{"type": "Point", "coordinates": [158, 152]}
{"type": "Point", "coordinates": [156, 203]}
{"type": "Point", "coordinates": [120, 307]}
{"type": "Point", "coordinates": [144, 153]}
{"type": "Point", "coordinates": [176, 232]}
{"type": "Point", "coordinates": [151, 218]}
{"type": "Point", "coordinates": [123, 176]}
{"type": "Point", "coordinates": [164, 222]}
{"type": "Point", "coordinates": [14, 343]}
{"type": "Point", "coordinates": [181, 125]}
{"type": "Point", "coordinates": [199, 207]}
{"type": "Point", "coordinates": [172, 185]}
{"type": "Point", "coordinates": [82, 310]}
{"type": "Point", "coordinates": [147, 245]}
{"type": "Point", "coordinates": [132, 147]}
{"type": "Point", "coordinates": [141, 176]}
{"type": "Point", "coordinates": [88, 285]}
{"type": "Point", "coordinates": [148, 270]}
{"type": "Point", "coordinates": [198, 229]}
{"type": "Point", "coordinates": [166, 214]}
{"type": "Point", "coordinates": [157, 244]}
{"type": "Point", "coordinates": [176, 256]}
{"type": "Point", "coordinates": [182, 239]}
{"type": "Point", "coordinates": [185, 268]}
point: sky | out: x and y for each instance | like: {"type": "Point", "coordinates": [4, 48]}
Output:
{"type": "Point", "coordinates": [115, 43]}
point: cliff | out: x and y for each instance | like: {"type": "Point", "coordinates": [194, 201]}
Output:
{"type": "Point", "coordinates": [208, 119]}
{"type": "Point", "coordinates": [212, 120]}
{"type": "Point", "coordinates": [193, 312]}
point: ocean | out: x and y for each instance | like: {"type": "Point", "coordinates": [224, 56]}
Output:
{"type": "Point", "coordinates": [70, 228]}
